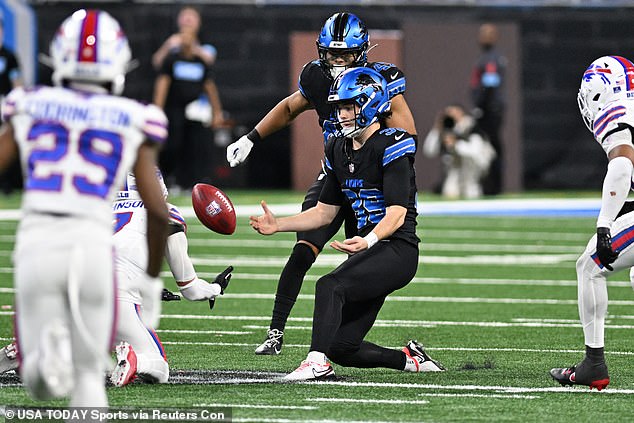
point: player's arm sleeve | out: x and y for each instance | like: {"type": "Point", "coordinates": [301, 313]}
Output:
{"type": "Point", "coordinates": [178, 258]}
{"type": "Point", "coordinates": [616, 186]}
{"type": "Point", "coordinates": [397, 171]}
{"type": "Point", "coordinates": [396, 186]}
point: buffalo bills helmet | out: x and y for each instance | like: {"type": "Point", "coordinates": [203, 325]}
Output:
{"type": "Point", "coordinates": [90, 47]}
{"type": "Point", "coordinates": [607, 79]}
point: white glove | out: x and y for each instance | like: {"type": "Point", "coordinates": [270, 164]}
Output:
{"type": "Point", "coordinates": [239, 151]}
{"type": "Point", "coordinates": [199, 290]}
{"type": "Point", "coordinates": [151, 290]}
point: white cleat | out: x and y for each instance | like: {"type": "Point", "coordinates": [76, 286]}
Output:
{"type": "Point", "coordinates": [125, 370]}
{"type": "Point", "coordinates": [421, 360]}
{"type": "Point", "coordinates": [56, 360]}
{"type": "Point", "coordinates": [311, 370]}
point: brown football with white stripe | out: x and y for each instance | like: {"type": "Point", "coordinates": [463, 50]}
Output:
{"type": "Point", "coordinates": [214, 209]}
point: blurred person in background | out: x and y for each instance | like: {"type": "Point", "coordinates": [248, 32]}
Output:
{"type": "Point", "coordinates": [464, 151]}
{"type": "Point", "coordinates": [489, 100]}
{"type": "Point", "coordinates": [184, 74]}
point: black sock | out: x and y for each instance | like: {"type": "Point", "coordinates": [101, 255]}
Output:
{"type": "Point", "coordinates": [290, 283]}
{"type": "Point", "coordinates": [595, 355]}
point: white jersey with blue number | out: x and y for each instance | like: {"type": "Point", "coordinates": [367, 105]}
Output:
{"type": "Point", "coordinates": [76, 148]}
{"type": "Point", "coordinates": [130, 241]}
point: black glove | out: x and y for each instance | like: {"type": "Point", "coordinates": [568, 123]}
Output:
{"type": "Point", "coordinates": [223, 280]}
{"type": "Point", "coordinates": [167, 295]}
{"type": "Point", "coordinates": [605, 253]}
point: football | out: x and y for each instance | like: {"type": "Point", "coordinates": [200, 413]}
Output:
{"type": "Point", "coordinates": [214, 209]}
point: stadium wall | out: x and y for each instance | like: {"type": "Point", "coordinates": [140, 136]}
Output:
{"type": "Point", "coordinates": [253, 71]}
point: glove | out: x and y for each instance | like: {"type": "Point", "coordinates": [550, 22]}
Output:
{"type": "Point", "coordinates": [239, 151]}
{"type": "Point", "coordinates": [151, 292]}
{"type": "Point", "coordinates": [605, 253]}
{"type": "Point", "coordinates": [223, 280]}
{"type": "Point", "coordinates": [199, 289]}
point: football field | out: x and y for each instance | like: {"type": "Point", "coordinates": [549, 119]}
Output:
{"type": "Point", "coordinates": [494, 300]}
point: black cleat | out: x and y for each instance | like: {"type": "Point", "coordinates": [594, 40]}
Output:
{"type": "Point", "coordinates": [272, 345]}
{"type": "Point", "coordinates": [584, 373]}
{"type": "Point", "coordinates": [167, 295]}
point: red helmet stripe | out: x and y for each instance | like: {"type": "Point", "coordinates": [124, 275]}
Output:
{"type": "Point", "coordinates": [88, 38]}
{"type": "Point", "coordinates": [629, 71]}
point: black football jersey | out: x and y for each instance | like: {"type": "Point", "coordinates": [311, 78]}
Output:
{"type": "Point", "coordinates": [315, 81]}
{"type": "Point", "coordinates": [378, 175]}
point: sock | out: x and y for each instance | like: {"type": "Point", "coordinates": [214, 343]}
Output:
{"type": "Point", "coordinates": [595, 355]}
{"type": "Point", "coordinates": [290, 283]}
{"type": "Point", "coordinates": [317, 357]}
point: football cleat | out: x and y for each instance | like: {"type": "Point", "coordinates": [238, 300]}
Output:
{"type": "Point", "coordinates": [168, 295]}
{"type": "Point", "coordinates": [272, 345]}
{"type": "Point", "coordinates": [421, 360]}
{"type": "Point", "coordinates": [125, 370]}
{"type": "Point", "coordinates": [9, 358]}
{"type": "Point", "coordinates": [311, 370]}
{"type": "Point", "coordinates": [55, 362]}
{"type": "Point", "coordinates": [594, 376]}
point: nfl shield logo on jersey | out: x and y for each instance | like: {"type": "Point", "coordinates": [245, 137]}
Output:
{"type": "Point", "coordinates": [351, 167]}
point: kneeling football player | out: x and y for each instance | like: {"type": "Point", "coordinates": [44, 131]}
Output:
{"type": "Point", "coordinates": [139, 351]}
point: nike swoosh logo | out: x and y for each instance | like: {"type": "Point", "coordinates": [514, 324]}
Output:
{"type": "Point", "coordinates": [394, 75]}
{"type": "Point", "coordinates": [398, 137]}
{"type": "Point", "coordinates": [320, 374]}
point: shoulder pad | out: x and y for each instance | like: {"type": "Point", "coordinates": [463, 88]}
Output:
{"type": "Point", "coordinates": [393, 75]}
{"type": "Point", "coordinates": [11, 101]}
{"type": "Point", "coordinates": [399, 143]}
{"type": "Point", "coordinates": [154, 124]}
{"type": "Point", "coordinates": [176, 218]}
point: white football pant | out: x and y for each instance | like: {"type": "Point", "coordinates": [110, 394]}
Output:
{"type": "Point", "coordinates": [62, 262]}
{"type": "Point", "coordinates": [151, 360]}
{"type": "Point", "coordinates": [591, 279]}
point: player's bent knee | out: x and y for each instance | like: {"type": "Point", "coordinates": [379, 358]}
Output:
{"type": "Point", "coordinates": [315, 250]}
{"type": "Point", "coordinates": [340, 353]}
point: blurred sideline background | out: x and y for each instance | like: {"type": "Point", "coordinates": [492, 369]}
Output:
{"type": "Point", "coordinates": [263, 44]}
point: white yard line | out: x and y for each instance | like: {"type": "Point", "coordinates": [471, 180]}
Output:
{"type": "Point", "coordinates": [499, 389]}
{"type": "Point", "coordinates": [263, 406]}
{"type": "Point", "coordinates": [368, 401]}
{"type": "Point", "coordinates": [332, 260]}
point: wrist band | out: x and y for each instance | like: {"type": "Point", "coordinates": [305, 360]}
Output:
{"type": "Point", "coordinates": [371, 239]}
{"type": "Point", "coordinates": [254, 136]}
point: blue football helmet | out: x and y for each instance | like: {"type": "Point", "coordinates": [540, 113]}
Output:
{"type": "Point", "coordinates": [343, 33]}
{"type": "Point", "coordinates": [367, 89]}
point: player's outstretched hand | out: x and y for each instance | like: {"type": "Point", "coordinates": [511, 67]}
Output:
{"type": "Point", "coordinates": [265, 224]}
{"type": "Point", "coordinates": [351, 245]}
{"type": "Point", "coordinates": [238, 151]}
{"type": "Point", "coordinates": [605, 253]}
